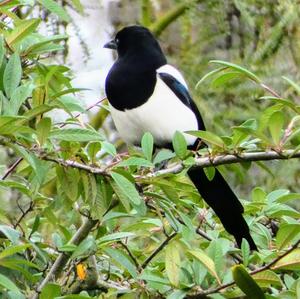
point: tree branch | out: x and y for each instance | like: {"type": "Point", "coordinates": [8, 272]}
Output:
{"type": "Point", "coordinates": [158, 250]}
{"type": "Point", "coordinates": [63, 257]}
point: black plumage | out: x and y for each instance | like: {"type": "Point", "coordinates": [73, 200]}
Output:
{"type": "Point", "coordinates": [148, 95]}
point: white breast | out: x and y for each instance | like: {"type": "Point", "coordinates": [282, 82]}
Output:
{"type": "Point", "coordinates": [162, 115]}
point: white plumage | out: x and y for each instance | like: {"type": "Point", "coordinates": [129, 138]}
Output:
{"type": "Point", "coordinates": [162, 115]}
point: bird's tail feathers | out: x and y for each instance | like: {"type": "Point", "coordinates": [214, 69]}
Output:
{"type": "Point", "coordinates": [219, 196]}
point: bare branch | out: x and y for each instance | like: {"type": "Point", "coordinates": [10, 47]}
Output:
{"type": "Point", "coordinates": [158, 250]}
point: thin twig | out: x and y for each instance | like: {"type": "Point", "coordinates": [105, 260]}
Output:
{"type": "Point", "coordinates": [11, 168]}
{"type": "Point", "coordinates": [158, 250]}
{"type": "Point", "coordinates": [138, 266]}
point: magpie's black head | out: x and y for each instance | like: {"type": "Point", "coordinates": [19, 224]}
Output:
{"type": "Point", "coordinates": [135, 40]}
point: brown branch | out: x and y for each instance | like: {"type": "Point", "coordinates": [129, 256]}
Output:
{"type": "Point", "coordinates": [201, 162]}
{"type": "Point", "coordinates": [158, 250]}
{"type": "Point", "coordinates": [63, 257]}
{"type": "Point", "coordinates": [138, 266]}
{"type": "Point", "coordinates": [11, 168]}
{"type": "Point", "coordinates": [232, 283]}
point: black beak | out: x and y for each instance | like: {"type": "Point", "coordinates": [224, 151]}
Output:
{"type": "Point", "coordinates": [111, 45]}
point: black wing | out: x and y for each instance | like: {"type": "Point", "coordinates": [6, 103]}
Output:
{"type": "Point", "coordinates": [182, 93]}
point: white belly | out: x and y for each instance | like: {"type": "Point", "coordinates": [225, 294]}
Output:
{"type": "Point", "coordinates": [162, 115]}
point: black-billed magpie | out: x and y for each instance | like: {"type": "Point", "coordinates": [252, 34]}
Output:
{"type": "Point", "coordinates": [148, 95]}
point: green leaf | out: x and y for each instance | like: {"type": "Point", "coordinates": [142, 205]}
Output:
{"type": "Point", "coordinates": [127, 188]}
{"type": "Point", "coordinates": [210, 172]}
{"type": "Point", "coordinates": [147, 145]}
{"type": "Point", "coordinates": [206, 261]}
{"type": "Point", "coordinates": [116, 236]}
{"type": "Point", "coordinates": [208, 137]}
{"type": "Point", "coordinates": [259, 195]}
{"type": "Point", "coordinates": [172, 262]}
{"type": "Point", "coordinates": [11, 250]}
{"type": "Point", "coordinates": [55, 8]}
{"type": "Point", "coordinates": [43, 129]}
{"type": "Point", "coordinates": [246, 283]}
{"type": "Point", "coordinates": [286, 233]}
{"type": "Point", "coordinates": [109, 148]}
{"type": "Point", "coordinates": [293, 84]}
{"type": "Point", "coordinates": [8, 284]}
{"type": "Point", "coordinates": [2, 50]}
{"type": "Point", "coordinates": [179, 145]}
{"type": "Point", "coordinates": [245, 248]}
{"type": "Point", "coordinates": [290, 261]}
{"type": "Point", "coordinates": [12, 234]}
{"type": "Point", "coordinates": [239, 69]}
{"type": "Point", "coordinates": [136, 161]}
{"type": "Point", "coordinates": [85, 248]}
{"type": "Point", "coordinates": [18, 97]}
{"type": "Point", "coordinates": [50, 291]}
{"type": "Point", "coordinates": [89, 186]}
{"type": "Point", "coordinates": [267, 278]}
{"type": "Point", "coordinates": [163, 155]}
{"type": "Point", "coordinates": [276, 123]}
{"type": "Point", "coordinates": [218, 70]}
{"type": "Point", "coordinates": [93, 148]}
{"type": "Point", "coordinates": [79, 135]}
{"type": "Point", "coordinates": [22, 30]}
{"type": "Point", "coordinates": [224, 78]}
{"type": "Point", "coordinates": [121, 258]}
{"type": "Point", "coordinates": [12, 74]}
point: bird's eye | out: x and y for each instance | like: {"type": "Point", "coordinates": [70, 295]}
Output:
{"type": "Point", "coordinates": [117, 41]}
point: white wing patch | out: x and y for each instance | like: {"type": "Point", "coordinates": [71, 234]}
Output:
{"type": "Point", "coordinates": [171, 70]}
{"type": "Point", "coordinates": [162, 115]}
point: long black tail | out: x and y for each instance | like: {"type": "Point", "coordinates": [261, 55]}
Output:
{"type": "Point", "coordinates": [223, 201]}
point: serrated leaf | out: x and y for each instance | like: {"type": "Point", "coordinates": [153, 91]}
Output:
{"type": "Point", "coordinates": [276, 122]}
{"type": "Point", "coordinates": [286, 233]}
{"type": "Point", "coordinates": [172, 262]}
{"type": "Point", "coordinates": [289, 262]}
{"type": "Point", "coordinates": [121, 258]}
{"type": "Point", "coordinates": [55, 8]}
{"type": "Point", "coordinates": [246, 283]}
{"type": "Point", "coordinates": [22, 30]}
{"type": "Point", "coordinates": [206, 261]}
{"type": "Point", "coordinates": [179, 145]}
{"type": "Point", "coordinates": [12, 74]}
{"type": "Point", "coordinates": [208, 137]}
{"type": "Point", "coordinates": [147, 145]}
{"type": "Point", "coordinates": [127, 188]}
{"type": "Point", "coordinates": [79, 135]}
{"type": "Point", "coordinates": [238, 68]}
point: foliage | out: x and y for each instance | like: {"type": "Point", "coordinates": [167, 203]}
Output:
{"type": "Point", "coordinates": [85, 222]}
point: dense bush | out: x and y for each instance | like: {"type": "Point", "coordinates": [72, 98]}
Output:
{"type": "Point", "coordinates": [79, 218]}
